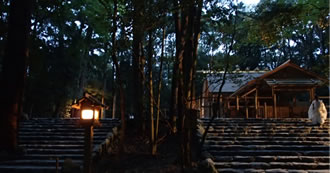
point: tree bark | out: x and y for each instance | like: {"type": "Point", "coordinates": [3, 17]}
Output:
{"type": "Point", "coordinates": [119, 78]}
{"type": "Point", "coordinates": [138, 63]}
{"type": "Point", "coordinates": [114, 100]}
{"type": "Point", "coordinates": [14, 72]}
{"type": "Point", "coordinates": [83, 63]}
{"type": "Point", "coordinates": [186, 28]}
{"type": "Point", "coordinates": [159, 88]}
{"type": "Point", "coordinates": [151, 96]}
{"type": "Point", "coordinates": [114, 95]}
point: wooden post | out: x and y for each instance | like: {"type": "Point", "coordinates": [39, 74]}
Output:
{"type": "Point", "coordinates": [237, 103]}
{"type": "Point", "coordinates": [274, 103]}
{"type": "Point", "coordinates": [114, 106]}
{"type": "Point", "coordinates": [259, 110]}
{"type": "Point", "coordinates": [256, 103]}
{"type": "Point", "coordinates": [88, 149]}
{"type": "Point", "coordinates": [246, 108]}
{"type": "Point", "coordinates": [220, 107]}
{"type": "Point", "coordinates": [311, 94]}
{"type": "Point", "coordinates": [265, 109]}
{"type": "Point", "coordinates": [57, 165]}
{"type": "Point", "coordinates": [228, 106]}
{"type": "Point", "coordinates": [209, 105]}
{"type": "Point", "coordinates": [102, 113]}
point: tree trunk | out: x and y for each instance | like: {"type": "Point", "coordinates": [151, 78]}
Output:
{"type": "Point", "coordinates": [186, 29]}
{"type": "Point", "coordinates": [114, 95]}
{"type": "Point", "coordinates": [14, 72]}
{"type": "Point", "coordinates": [159, 88]}
{"type": "Point", "coordinates": [138, 63]}
{"type": "Point", "coordinates": [102, 113]}
{"type": "Point", "coordinates": [151, 96]}
{"type": "Point", "coordinates": [114, 99]}
{"type": "Point", "coordinates": [83, 63]}
{"type": "Point", "coordinates": [187, 35]}
{"type": "Point", "coordinates": [177, 81]}
{"type": "Point", "coordinates": [119, 79]}
{"type": "Point", "coordinates": [174, 97]}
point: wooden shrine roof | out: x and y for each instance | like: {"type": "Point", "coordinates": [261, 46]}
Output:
{"type": "Point", "coordinates": [233, 80]}
{"type": "Point", "coordinates": [274, 82]}
{"type": "Point", "coordinates": [88, 97]}
{"type": "Point", "coordinates": [310, 79]}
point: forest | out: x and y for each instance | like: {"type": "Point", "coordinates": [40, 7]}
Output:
{"type": "Point", "coordinates": [143, 58]}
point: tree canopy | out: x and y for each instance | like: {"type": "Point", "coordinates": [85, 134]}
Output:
{"type": "Point", "coordinates": [70, 45]}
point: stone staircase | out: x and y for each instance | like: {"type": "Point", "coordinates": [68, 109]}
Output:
{"type": "Point", "coordinates": [267, 145]}
{"type": "Point", "coordinates": [47, 143]}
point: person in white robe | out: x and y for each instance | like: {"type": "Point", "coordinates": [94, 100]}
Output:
{"type": "Point", "coordinates": [317, 111]}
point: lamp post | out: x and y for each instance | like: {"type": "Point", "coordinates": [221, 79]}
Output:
{"type": "Point", "coordinates": [88, 118]}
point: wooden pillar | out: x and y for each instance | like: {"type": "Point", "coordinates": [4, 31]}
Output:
{"type": "Point", "coordinates": [220, 106]}
{"type": "Point", "coordinates": [246, 108]}
{"type": "Point", "coordinates": [237, 103]}
{"type": "Point", "coordinates": [259, 111]}
{"type": "Point", "coordinates": [209, 106]}
{"type": "Point", "coordinates": [275, 106]}
{"type": "Point", "coordinates": [88, 149]}
{"type": "Point", "coordinates": [256, 102]}
{"type": "Point", "coordinates": [274, 103]}
{"type": "Point", "coordinates": [311, 94]}
{"type": "Point", "coordinates": [228, 106]}
{"type": "Point", "coordinates": [265, 109]}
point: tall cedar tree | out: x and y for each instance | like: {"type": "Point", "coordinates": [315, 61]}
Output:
{"type": "Point", "coordinates": [14, 72]}
{"type": "Point", "coordinates": [119, 77]}
{"type": "Point", "coordinates": [187, 28]}
{"type": "Point", "coordinates": [138, 63]}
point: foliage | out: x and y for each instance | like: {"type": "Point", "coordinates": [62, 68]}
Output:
{"type": "Point", "coordinates": [70, 44]}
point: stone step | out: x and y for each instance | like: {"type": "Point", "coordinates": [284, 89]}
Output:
{"type": "Point", "coordinates": [64, 142]}
{"type": "Point", "coordinates": [53, 146]}
{"type": "Point", "coordinates": [267, 147]}
{"type": "Point", "coordinates": [238, 158]}
{"type": "Point", "coordinates": [278, 130]}
{"type": "Point", "coordinates": [53, 151]}
{"type": "Point", "coordinates": [231, 170]}
{"type": "Point", "coordinates": [62, 122]}
{"type": "Point", "coordinates": [44, 137]}
{"type": "Point", "coordinates": [263, 122]}
{"type": "Point", "coordinates": [68, 126]}
{"type": "Point", "coordinates": [46, 133]}
{"type": "Point", "coordinates": [27, 169]}
{"type": "Point", "coordinates": [44, 140]}
{"type": "Point", "coordinates": [272, 165]}
{"type": "Point", "coordinates": [265, 142]}
{"type": "Point", "coordinates": [279, 122]}
{"type": "Point", "coordinates": [261, 126]}
{"type": "Point", "coordinates": [19, 163]}
{"type": "Point", "coordinates": [269, 153]}
{"type": "Point", "coordinates": [256, 120]}
{"type": "Point", "coordinates": [62, 130]}
{"type": "Point", "coordinates": [265, 126]}
{"type": "Point", "coordinates": [274, 134]}
{"type": "Point", "coordinates": [269, 138]}
{"type": "Point", "coordinates": [54, 126]}
{"type": "Point", "coordinates": [43, 156]}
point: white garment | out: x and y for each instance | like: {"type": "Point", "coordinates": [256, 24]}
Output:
{"type": "Point", "coordinates": [317, 112]}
